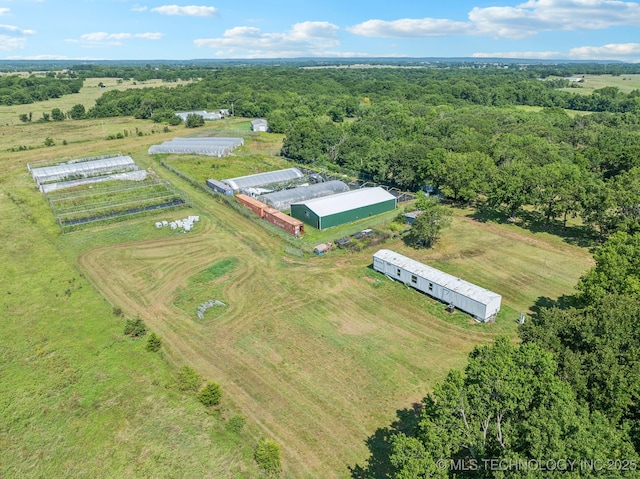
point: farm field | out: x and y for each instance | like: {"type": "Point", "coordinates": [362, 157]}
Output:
{"type": "Point", "coordinates": [625, 83]}
{"type": "Point", "coordinates": [90, 92]}
{"type": "Point", "coordinates": [316, 352]}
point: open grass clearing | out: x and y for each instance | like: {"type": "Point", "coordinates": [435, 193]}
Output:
{"type": "Point", "coordinates": [79, 399]}
{"type": "Point", "coordinates": [316, 351]}
{"type": "Point", "coordinates": [625, 83]}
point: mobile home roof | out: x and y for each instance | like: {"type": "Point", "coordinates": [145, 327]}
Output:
{"type": "Point", "coordinates": [349, 200]}
{"type": "Point", "coordinates": [453, 283]}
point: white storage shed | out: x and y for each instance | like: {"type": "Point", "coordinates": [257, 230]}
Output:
{"type": "Point", "coordinates": [481, 303]}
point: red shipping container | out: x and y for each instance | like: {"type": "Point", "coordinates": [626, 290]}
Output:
{"type": "Point", "coordinates": [283, 221]}
{"type": "Point", "coordinates": [254, 205]}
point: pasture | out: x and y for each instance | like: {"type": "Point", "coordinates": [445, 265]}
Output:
{"type": "Point", "coordinates": [90, 92]}
{"type": "Point", "coordinates": [625, 83]}
{"type": "Point", "coordinates": [317, 352]}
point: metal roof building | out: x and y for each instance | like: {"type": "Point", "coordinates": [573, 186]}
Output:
{"type": "Point", "coordinates": [259, 125]}
{"type": "Point", "coordinates": [481, 303]}
{"type": "Point", "coordinates": [262, 179]}
{"type": "Point", "coordinates": [343, 208]}
{"type": "Point", "coordinates": [282, 200]}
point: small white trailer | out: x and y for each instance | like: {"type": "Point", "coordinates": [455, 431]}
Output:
{"type": "Point", "coordinates": [480, 303]}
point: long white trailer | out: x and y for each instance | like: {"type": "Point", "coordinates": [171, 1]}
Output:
{"type": "Point", "coordinates": [481, 303]}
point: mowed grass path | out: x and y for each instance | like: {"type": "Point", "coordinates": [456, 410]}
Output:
{"type": "Point", "coordinates": [316, 352]}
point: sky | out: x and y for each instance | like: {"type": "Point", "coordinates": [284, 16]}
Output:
{"type": "Point", "coordinates": [236, 29]}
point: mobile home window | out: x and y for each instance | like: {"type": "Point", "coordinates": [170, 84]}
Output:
{"type": "Point", "coordinates": [430, 286]}
{"type": "Point", "coordinates": [414, 279]}
{"type": "Point", "coordinates": [398, 271]}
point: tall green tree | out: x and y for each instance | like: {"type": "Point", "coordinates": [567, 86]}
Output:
{"type": "Point", "coordinates": [428, 226]}
{"type": "Point", "coordinates": [509, 404]}
{"type": "Point", "coordinates": [617, 269]}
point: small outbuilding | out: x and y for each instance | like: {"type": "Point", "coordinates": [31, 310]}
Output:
{"type": "Point", "coordinates": [259, 125]}
{"type": "Point", "coordinates": [343, 208]}
{"type": "Point", "coordinates": [220, 187]}
{"type": "Point", "coordinates": [481, 303]}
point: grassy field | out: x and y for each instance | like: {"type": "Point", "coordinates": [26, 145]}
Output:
{"type": "Point", "coordinates": [625, 83]}
{"type": "Point", "coordinates": [317, 353]}
{"type": "Point", "coordinates": [90, 92]}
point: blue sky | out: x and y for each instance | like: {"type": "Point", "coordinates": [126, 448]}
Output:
{"type": "Point", "coordinates": [220, 29]}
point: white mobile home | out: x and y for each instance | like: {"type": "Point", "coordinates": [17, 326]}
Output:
{"type": "Point", "coordinates": [482, 304]}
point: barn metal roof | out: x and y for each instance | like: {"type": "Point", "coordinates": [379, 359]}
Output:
{"type": "Point", "coordinates": [347, 201]}
{"type": "Point", "coordinates": [446, 280]}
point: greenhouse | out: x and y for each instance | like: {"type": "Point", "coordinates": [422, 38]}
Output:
{"type": "Point", "coordinates": [82, 168]}
{"type": "Point", "coordinates": [281, 200]}
{"type": "Point", "coordinates": [203, 113]}
{"type": "Point", "coordinates": [262, 179]}
{"type": "Point", "coordinates": [138, 175]}
{"type": "Point", "coordinates": [198, 146]}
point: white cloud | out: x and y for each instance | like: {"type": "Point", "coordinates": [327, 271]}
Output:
{"type": "Point", "coordinates": [411, 27]}
{"type": "Point", "coordinates": [304, 39]}
{"type": "Point", "coordinates": [8, 43]}
{"type": "Point", "coordinates": [39, 57]}
{"type": "Point", "coordinates": [138, 8]}
{"type": "Point", "coordinates": [17, 30]}
{"type": "Point", "coordinates": [523, 20]}
{"type": "Point", "coordinates": [524, 55]}
{"type": "Point", "coordinates": [103, 36]}
{"type": "Point", "coordinates": [12, 37]}
{"type": "Point", "coordinates": [113, 39]}
{"type": "Point", "coordinates": [190, 10]}
{"type": "Point", "coordinates": [4, 11]}
{"type": "Point", "coordinates": [612, 51]}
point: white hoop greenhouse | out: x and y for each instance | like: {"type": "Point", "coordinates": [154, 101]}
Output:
{"type": "Point", "coordinates": [219, 147]}
{"type": "Point", "coordinates": [261, 179]}
{"type": "Point", "coordinates": [77, 169]}
{"type": "Point", "coordinates": [282, 200]}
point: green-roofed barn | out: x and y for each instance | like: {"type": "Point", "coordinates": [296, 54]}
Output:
{"type": "Point", "coordinates": [343, 208]}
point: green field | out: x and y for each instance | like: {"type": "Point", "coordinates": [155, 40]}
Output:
{"type": "Point", "coordinates": [90, 92]}
{"type": "Point", "coordinates": [625, 83]}
{"type": "Point", "coordinates": [316, 352]}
